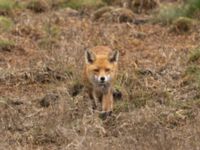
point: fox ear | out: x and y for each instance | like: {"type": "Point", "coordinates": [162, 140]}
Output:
{"type": "Point", "coordinates": [89, 57]}
{"type": "Point", "coordinates": [114, 56]}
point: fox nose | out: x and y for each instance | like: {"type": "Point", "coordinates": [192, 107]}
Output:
{"type": "Point", "coordinates": [102, 79]}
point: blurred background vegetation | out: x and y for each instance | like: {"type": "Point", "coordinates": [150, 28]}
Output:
{"type": "Point", "coordinates": [164, 12]}
{"type": "Point", "coordinates": [41, 50]}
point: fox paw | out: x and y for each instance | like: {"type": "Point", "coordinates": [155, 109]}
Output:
{"type": "Point", "coordinates": [103, 115]}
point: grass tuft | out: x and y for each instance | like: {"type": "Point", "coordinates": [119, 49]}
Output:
{"type": "Point", "coordinates": [52, 33]}
{"type": "Point", "coordinates": [193, 71]}
{"type": "Point", "coordinates": [81, 3]}
{"type": "Point", "coordinates": [6, 45]}
{"type": "Point", "coordinates": [5, 24]}
{"type": "Point", "coordinates": [195, 55]}
{"type": "Point", "coordinates": [6, 4]}
{"type": "Point", "coordinates": [38, 6]}
{"type": "Point", "coordinates": [170, 12]}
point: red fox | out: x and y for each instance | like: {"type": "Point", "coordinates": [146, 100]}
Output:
{"type": "Point", "coordinates": [99, 74]}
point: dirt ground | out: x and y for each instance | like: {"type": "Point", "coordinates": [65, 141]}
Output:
{"type": "Point", "coordinates": [43, 105]}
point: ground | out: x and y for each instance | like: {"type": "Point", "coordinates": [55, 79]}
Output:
{"type": "Point", "coordinates": [43, 104]}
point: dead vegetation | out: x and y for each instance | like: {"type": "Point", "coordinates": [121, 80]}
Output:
{"type": "Point", "coordinates": [111, 14]}
{"type": "Point", "coordinates": [5, 24]}
{"type": "Point", "coordinates": [137, 6]}
{"type": "Point", "coordinates": [181, 25]}
{"type": "Point", "coordinates": [38, 6]}
{"type": "Point", "coordinates": [6, 45]}
{"type": "Point", "coordinates": [42, 100]}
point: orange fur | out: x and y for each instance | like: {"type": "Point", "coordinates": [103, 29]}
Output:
{"type": "Point", "coordinates": [101, 61]}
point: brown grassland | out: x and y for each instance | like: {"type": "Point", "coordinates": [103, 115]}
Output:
{"type": "Point", "coordinates": [42, 101]}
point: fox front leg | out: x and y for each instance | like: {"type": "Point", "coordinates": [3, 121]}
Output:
{"type": "Point", "coordinates": [95, 101]}
{"type": "Point", "coordinates": [107, 103]}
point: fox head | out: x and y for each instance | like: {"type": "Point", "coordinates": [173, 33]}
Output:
{"type": "Point", "coordinates": [101, 69]}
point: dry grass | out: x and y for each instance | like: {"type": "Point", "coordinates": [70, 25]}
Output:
{"type": "Point", "coordinates": [111, 14]}
{"type": "Point", "coordinates": [43, 104]}
{"type": "Point", "coordinates": [137, 6]}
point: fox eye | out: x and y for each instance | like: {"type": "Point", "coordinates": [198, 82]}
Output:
{"type": "Point", "coordinates": [107, 69]}
{"type": "Point", "coordinates": [96, 70]}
